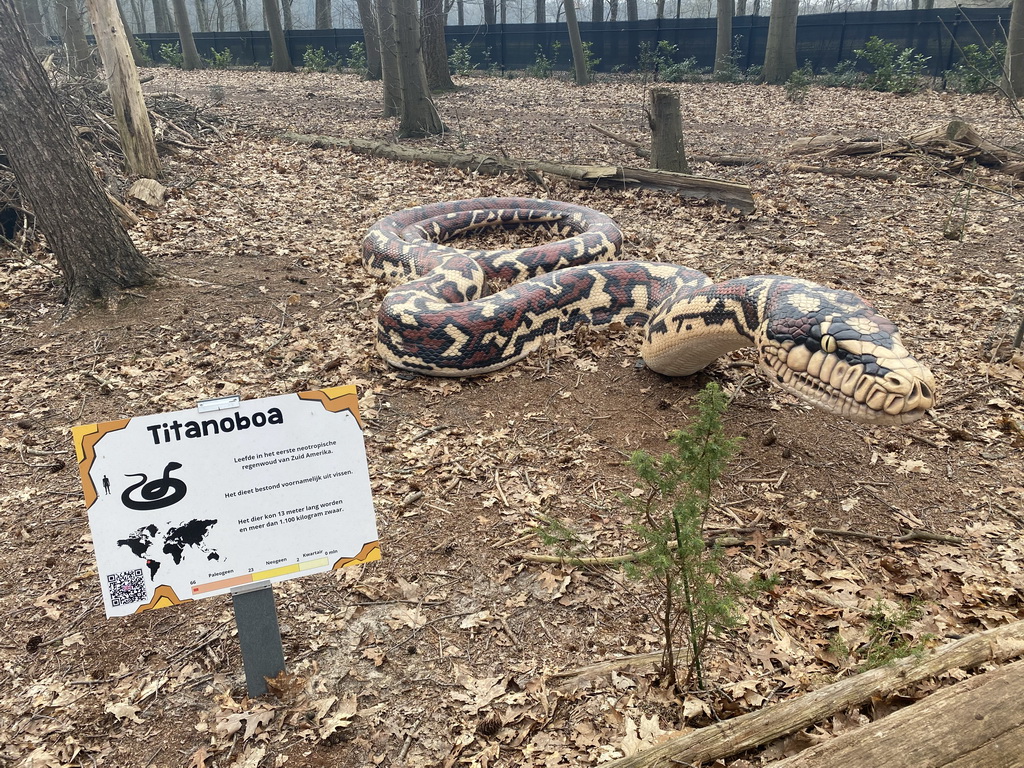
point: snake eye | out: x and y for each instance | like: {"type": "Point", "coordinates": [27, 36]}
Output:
{"type": "Point", "coordinates": [828, 344]}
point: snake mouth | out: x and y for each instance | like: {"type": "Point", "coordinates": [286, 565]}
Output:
{"type": "Point", "coordinates": [889, 392]}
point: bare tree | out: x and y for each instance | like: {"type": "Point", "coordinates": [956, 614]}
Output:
{"type": "Point", "coordinates": [69, 24]}
{"type": "Point", "coordinates": [579, 58]}
{"type": "Point", "coordinates": [280, 60]}
{"type": "Point", "coordinates": [780, 50]}
{"type": "Point", "coordinates": [632, 13]}
{"type": "Point", "coordinates": [189, 52]}
{"type": "Point", "coordinates": [1014, 65]}
{"type": "Point", "coordinates": [371, 38]}
{"type": "Point", "coordinates": [94, 253]}
{"type": "Point", "coordinates": [723, 39]}
{"type": "Point", "coordinates": [162, 17]}
{"type": "Point", "coordinates": [389, 58]}
{"type": "Point", "coordinates": [130, 111]}
{"type": "Point", "coordinates": [33, 21]}
{"type": "Point", "coordinates": [435, 52]}
{"type": "Point", "coordinates": [419, 116]}
{"type": "Point", "coordinates": [323, 14]}
{"type": "Point", "coordinates": [490, 16]}
{"type": "Point", "coordinates": [597, 10]}
{"type": "Point", "coordinates": [241, 16]}
{"type": "Point", "coordinates": [540, 12]}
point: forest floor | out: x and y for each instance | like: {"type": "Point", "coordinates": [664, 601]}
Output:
{"type": "Point", "coordinates": [449, 651]}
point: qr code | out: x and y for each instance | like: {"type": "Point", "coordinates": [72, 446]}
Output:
{"type": "Point", "coordinates": [127, 587]}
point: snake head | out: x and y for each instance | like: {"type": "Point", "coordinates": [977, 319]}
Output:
{"type": "Point", "coordinates": [833, 350]}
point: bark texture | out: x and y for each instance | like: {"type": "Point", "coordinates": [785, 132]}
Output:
{"type": "Point", "coordinates": [579, 60]}
{"type": "Point", "coordinates": [435, 51]}
{"type": "Point", "coordinates": [1014, 65]}
{"type": "Point", "coordinates": [189, 51]}
{"type": "Point", "coordinates": [94, 252]}
{"type": "Point", "coordinates": [418, 116]}
{"type": "Point", "coordinates": [780, 51]}
{"type": "Point", "coordinates": [389, 58]}
{"type": "Point", "coordinates": [69, 22]}
{"type": "Point", "coordinates": [977, 723]}
{"type": "Point", "coordinates": [723, 38]}
{"type": "Point", "coordinates": [667, 150]}
{"type": "Point", "coordinates": [371, 37]}
{"type": "Point", "coordinates": [133, 124]}
{"type": "Point", "coordinates": [280, 59]}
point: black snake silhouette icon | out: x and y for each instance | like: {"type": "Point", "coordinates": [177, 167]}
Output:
{"type": "Point", "coordinates": [158, 493]}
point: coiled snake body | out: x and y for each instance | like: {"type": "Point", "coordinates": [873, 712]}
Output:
{"type": "Point", "coordinates": [829, 347]}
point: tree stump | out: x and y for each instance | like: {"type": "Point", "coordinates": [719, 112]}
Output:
{"type": "Point", "coordinates": [667, 150]}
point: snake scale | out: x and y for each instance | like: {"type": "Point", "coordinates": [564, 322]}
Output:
{"type": "Point", "coordinates": [829, 347]}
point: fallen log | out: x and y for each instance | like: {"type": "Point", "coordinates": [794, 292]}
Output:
{"type": "Point", "coordinates": [854, 173]}
{"type": "Point", "coordinates": [977, 723]}
{"type": "Point", "coordinates": [728, 193]}
{"type": "Point", "coordinates": [757, 728]}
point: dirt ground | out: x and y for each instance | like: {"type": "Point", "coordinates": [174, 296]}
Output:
{"type": "Point", "coordinates": [451, 650]}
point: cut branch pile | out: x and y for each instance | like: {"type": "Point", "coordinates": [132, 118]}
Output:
{"type": "Point", "coordinates": [956, 143]}
{"type": "Point", "coordinates": [177, 125]}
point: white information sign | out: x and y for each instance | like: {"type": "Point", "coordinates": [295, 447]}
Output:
{"type": "Point", "coordinates": [195, 503]}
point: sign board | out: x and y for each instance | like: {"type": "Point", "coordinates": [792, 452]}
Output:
{"type": "Point", "coordinates": [196, 503]}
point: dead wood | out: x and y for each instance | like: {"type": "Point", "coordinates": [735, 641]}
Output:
{"type": "Point", "coordinates": [729, 193]}
{"type": "Point", "coordinates": [955, 142]}
{"type": "Point", "coordinates": [976, 723]}
{"type": "Point", "coordinates": [734, 160]}
{"type": "Point", "coordinates": [757, 728]}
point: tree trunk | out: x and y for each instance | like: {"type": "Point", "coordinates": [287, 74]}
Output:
{"type": "Point", "coordinates": [977, 723]}
{"type": "Point", "coordinates": [460, 8]}
{"type": "Point", "coordinates": [162, 17]}
{"type": "Point", "coordinates": [753, 729]}
{"type": "Point", "coordinates": [133, 44]}
{"type": "Point", "coordinates": [780, 51]}
{"type": "Point", "coordinates": [723, 40]}
{"type": "Point", "coordinates": [389, 59]}
{"type": "Point", "coordinates": [667, 150]}
{"type": "Point", "coordinates": [280, 60]}
{"type": "Point", "coordinates": [540, 12]}
{"type": "Point", "coordinates": [418, 115]}
{"type": "Point", "coordinates": [241, 16]}
{"type": "Point", "coordinates": [33, 21]}
{"type": "Point", "coordinates": [1014, 65]}
{"type": "Point", "coordinates": [597, 10]}
{"type": "Point", "coordinates": [659, 9]}
{"type": "Point", "coordinates": [632, 12]}
{"type": "Point", "coordinates": [613, 10]}
{"type": "Point", "coordinates": [741, 7]}
{"type": "Point", "coordinates": [286, 14]}
{"type": "Point", "coordinates": [490, 17]}
{"type": "Point", "coordinates": [189, 52]}
{"type": "Point", "coordinates": [202, 15]}
{"type": "Point", "coordinates": [94, 253]}
{"type": "Point", "coordinates": [323, 15]}
{"type": "Point", "coordinates": [435, 52]}
{"type": "Point", "coordinates": [125, 91]}
{"type": "Point", "coordinates": [579, 60]}
{"type": "Point", "coordinates": [69, 21]}
{"type": "Point", "coordinates": [371, 38]}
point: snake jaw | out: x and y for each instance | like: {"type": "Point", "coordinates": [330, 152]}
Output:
{"type": "Point", "coordinates": [883, 386]}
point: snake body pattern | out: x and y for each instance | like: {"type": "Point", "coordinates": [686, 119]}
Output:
{"type": "Point", "coordinates": [829, 347]}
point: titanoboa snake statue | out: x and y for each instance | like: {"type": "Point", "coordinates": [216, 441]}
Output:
{"type": "Point", "coordinates": [829, 347]}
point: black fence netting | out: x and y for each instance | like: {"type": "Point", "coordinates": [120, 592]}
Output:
{"type": "Point", "coordinates": [824, 40]}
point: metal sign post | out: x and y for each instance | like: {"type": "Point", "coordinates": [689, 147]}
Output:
{"type": "Point", "coordinates": [258, 634]}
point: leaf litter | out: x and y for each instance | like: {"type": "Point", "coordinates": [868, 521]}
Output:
{"type": "Point", "coordinates": [455, 649]}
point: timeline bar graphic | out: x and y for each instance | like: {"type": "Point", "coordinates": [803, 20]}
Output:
{"type": "Point", "coordinates": [249, 578]}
